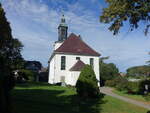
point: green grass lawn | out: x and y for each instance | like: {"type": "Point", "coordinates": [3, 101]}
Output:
{"type": "Point", "coordinates": [44, 98]}
{"type": "Point", "coordinates": [135, 97]}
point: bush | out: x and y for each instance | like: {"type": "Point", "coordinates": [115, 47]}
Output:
{"type": "Point", "coordinates": [119, 83]}
{"type": "Point", "coordinates": [142, 86]}
{"type": "Point", "coordinates": [122, 84]}
{"type": "Point", "coordinates": [28, 74]}
{"type": "Point", "coordinates": [133, 87]}
{"type": "Point", "coordinates": [110, 83]}
{"type": "Point", "coordinates": [147, 97]}
{"type": "Point", "coordinates": [87, 84]}
{"type": "Point", "coordinates": [107, 71]}
{"type": "Point", "coordinates": [127, 86]}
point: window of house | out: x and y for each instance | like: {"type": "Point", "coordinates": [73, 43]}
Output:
{"type": "Point", "coordinates": [77, 58]}
{"type": "Point", "coordinates": [63, 62]}
{"type": "Point", "coordinates": [92, 62]}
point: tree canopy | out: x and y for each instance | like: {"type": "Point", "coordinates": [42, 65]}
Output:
{"type": "Point", "coordinates": [132, 11]}
{"type": "Point", "coordinates": [107, 71]}
{"type": "Point", "coordinates": [139, 71]}
{"type": "Point", "coordinates": [10, 48]}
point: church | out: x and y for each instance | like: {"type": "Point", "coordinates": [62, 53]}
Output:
{"type": "Point", "coordinates": [69, 56]}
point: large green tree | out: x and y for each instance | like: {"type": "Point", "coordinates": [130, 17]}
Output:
{"type": "Point", "coordinates": [132, 11]}
{"type": "Point", "coordinates": [108, 71]}
{"type": "Point", "coordinates": [10, 59]}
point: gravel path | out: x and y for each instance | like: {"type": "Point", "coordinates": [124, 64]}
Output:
{"type": "Point", "coordinates": [108, 91]}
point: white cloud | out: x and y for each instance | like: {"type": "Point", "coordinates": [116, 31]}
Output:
{"type": "Point", "coordinates": [35, 24]}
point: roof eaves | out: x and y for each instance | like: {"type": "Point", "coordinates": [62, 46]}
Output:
{"type": "Point", "coordinates": [51, 57]}
{"type": "Point", "coordinates": [71, 53]}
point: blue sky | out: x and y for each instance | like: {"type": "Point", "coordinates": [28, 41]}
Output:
{"type": "Point", "coordinates": [35, 22]}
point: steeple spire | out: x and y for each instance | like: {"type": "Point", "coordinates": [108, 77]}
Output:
{"type": "Point", "coordinates": [63, 19]}
{"type": "Point", "coordinates": [62, 29]}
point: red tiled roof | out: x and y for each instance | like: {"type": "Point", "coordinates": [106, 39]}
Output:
{"type": "Point", "coordinates": [75, 45]}
{"type": "Point", "coordinates": [78, 66]}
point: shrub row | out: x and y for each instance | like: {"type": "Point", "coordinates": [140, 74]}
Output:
{"type": "Point", "coordinates": [123, 84]}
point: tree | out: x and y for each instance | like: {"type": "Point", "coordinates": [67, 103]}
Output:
{"type": "Point", "coordinates": [107, 71]}
{"type": "Point", "coordinates": [33, 65]}
{"type": "Point", "coordinates": [132, 11]}
{"type": "Point", "coordinates": [87, 84]}
{"type": "Point", "coordinates": [139, 71]}
{"type": "Point", "coordinates": [10, 59]}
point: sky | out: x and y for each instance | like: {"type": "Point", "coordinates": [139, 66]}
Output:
{"type": "Point", "coordinates": [35, 23]}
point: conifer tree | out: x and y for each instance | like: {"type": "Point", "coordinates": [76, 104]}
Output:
{"type": "Point", "coordinates": [87, 84]}
{"type": "Point", "coordinates": [10, 59]}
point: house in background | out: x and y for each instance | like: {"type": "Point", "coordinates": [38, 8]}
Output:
{"type": "Point", "coordinates": [69, 56]}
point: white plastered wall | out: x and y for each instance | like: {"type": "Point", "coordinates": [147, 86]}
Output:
{"type": "Point", "coordinates": [72, 78]}
{"type": "Point", "coordinates": [51, 72]}
{"type": "Point", "coordinates": [57, 45]}
{"type": "Point", "coordinates": [56, 72]}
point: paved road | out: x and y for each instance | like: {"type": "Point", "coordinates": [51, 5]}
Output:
{"type": "Point", "coordinates": [108, 91]}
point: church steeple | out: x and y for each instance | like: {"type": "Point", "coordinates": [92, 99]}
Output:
{"type": "Point", "coordinates": [62, 29]}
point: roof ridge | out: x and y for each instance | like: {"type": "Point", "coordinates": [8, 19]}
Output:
{"type": "Point", "coordinates": [88, 46]}
{"type": "Point", "coordinates": [73, 35]}
{"type": "Point", "coordinates": [74, 44]}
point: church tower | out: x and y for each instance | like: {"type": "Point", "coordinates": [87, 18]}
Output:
{"type": "Point", "coordinates": [62, 33]}
{"type": "Point", "coordinates": [62, 30]}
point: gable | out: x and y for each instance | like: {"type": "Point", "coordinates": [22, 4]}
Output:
{"type": "Point", "coordinates": [78, 66]}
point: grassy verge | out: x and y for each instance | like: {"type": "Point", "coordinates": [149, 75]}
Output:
{"type": "Point", "coordinates": [135, 97]}
{"type": "Point", "coordinates": [44, 98]}
{"type": "Point", "coordinates": [114, 105]}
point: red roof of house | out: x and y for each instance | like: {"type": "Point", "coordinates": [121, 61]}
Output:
{"type": "Point", "coordinates": [78, 66]}
{"type": "Point", "coordinates": [74, 45]}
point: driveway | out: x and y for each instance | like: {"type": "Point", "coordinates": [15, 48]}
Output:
{"type": "Point", "coordinates": [108, 91]}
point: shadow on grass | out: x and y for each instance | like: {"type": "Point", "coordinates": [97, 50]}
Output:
{"type": "Point", "coordinates": [53, 101]}
{"type": "Point", "coordinates": [32, 84]}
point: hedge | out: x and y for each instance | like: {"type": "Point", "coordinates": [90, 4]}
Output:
{"type": "Point", "coordinates": [123, 84]}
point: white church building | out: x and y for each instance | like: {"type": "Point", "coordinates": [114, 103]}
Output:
{"type": "Point", "coordinates": [69, 56]}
